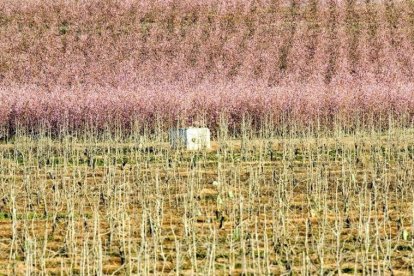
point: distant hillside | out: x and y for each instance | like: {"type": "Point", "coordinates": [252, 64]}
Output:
{"type": "Point", "coordinates": [117, 42]}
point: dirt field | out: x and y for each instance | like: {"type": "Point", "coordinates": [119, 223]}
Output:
{"type": "Point", "coordinates": [291, 205]}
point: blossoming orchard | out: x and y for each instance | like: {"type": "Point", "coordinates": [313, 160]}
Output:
{"type": "Point", "coordinates": [310, 106]}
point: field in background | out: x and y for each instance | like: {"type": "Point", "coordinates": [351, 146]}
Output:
{"type": "Point", "coordinates": [71, 63]}
{"type": "Point", "coordinates": [260, 203]}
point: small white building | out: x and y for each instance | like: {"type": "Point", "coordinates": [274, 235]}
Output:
{"type": "Point", "coordinates": [190, 138]}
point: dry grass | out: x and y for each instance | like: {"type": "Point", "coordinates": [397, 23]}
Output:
{"type": "Point", "coordinates": [258, 204]}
